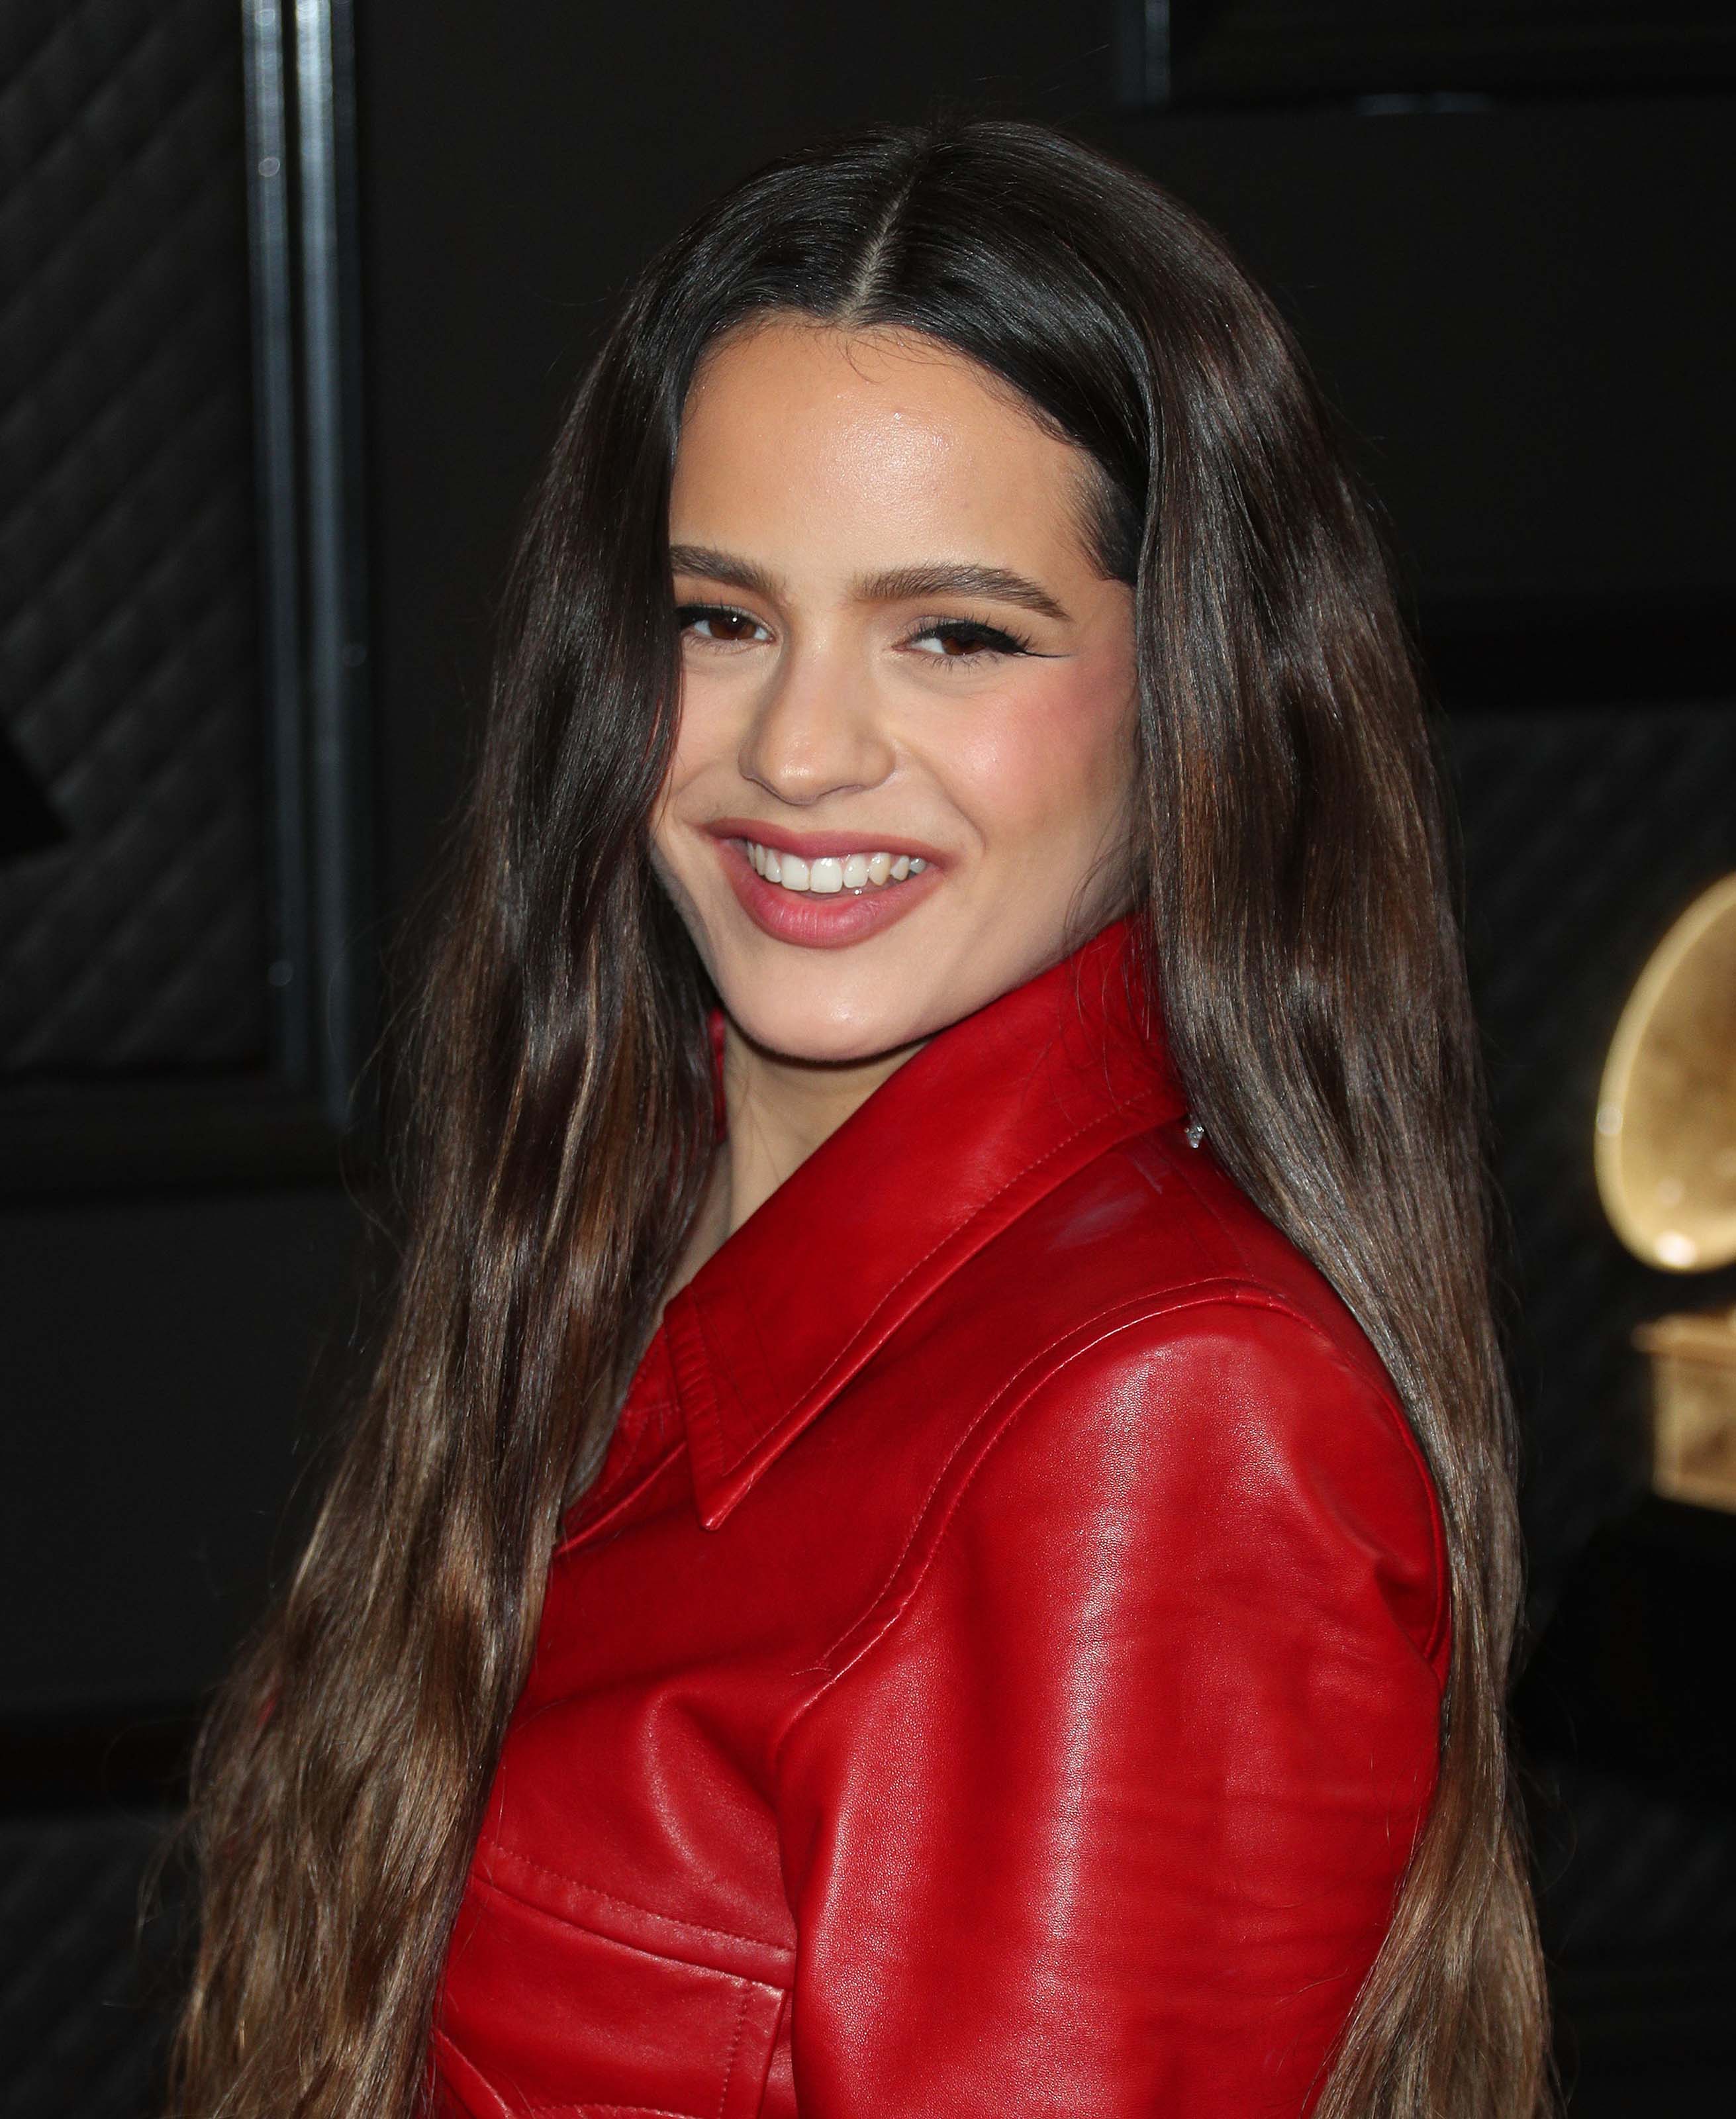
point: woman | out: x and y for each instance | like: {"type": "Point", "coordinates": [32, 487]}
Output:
{"type": "Point", "coordinates": [933, 1532]}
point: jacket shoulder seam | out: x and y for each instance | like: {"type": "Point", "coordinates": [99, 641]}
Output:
{"type": "Point", "coordinates": [1020, 1388]}
{"type": "Point", "coordinates": [1407, 1434]}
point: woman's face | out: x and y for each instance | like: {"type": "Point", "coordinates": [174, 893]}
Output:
{"type": "Point", "coordinates": [905, 766]}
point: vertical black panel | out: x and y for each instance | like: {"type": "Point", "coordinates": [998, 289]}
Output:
{"type": "Point", "coordinates": [127, 619]}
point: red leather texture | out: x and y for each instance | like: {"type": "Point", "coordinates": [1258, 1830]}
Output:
{"type": "Point", "coordinates": [997, 1669]}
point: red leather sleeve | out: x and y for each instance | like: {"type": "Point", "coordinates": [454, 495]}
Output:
{"type": "Point", "coordinates": [1103, 1811]}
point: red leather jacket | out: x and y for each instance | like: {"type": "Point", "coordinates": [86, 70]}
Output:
{"type": "Point", "coordinates": [997, 1669]}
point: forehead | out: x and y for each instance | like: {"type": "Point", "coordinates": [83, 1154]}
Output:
{"type": "Point", "coordinates": [813, 437]}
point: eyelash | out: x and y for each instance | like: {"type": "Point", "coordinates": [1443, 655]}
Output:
{"type": "Point", "coordinates": [983, 639]}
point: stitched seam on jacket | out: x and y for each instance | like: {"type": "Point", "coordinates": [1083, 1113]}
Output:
{"type": "Point", "coordinates": [609, 2111]}
{"type": "Point", "coordinates": [626, 1905]}
{"type": "Point", "coordinates": [735, 2047]}
{"type": "Point", "coordinates": [1402, 1424]}
{"type": "Point", "coordinates": [1431, 1502]}
{"type": "Point", "coordinates": [1257, 1295]}
{"type": "Point", "coordinates": [1137, 1310]}
{"type": "Point", "coordinates": [651, 1956]}
{"type": "Point", "coordinates": [867, 1325]}
{"type": "Point", "coordinates": [442, 2037]}
{"type": "Point", "coordinates": [497, 2102]}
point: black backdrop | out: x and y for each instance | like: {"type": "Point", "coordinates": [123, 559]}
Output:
{"type": "Point", "coordinates": [1522, 308]}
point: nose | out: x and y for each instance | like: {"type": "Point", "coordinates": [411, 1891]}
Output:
{"type": "Point", "coordinates": [815, 731]}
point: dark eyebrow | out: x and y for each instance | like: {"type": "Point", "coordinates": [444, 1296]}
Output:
{"type": "Point", "coordinates": [899, 585]}
{"type": "Point", "coordinates": [725, 567]}
{"type": "Point", "coordinates": [939, 578]}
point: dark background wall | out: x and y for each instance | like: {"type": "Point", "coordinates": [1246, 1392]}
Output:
{"type": "Point", "coordinates": [1522, 307]}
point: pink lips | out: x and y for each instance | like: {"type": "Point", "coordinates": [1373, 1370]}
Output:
{"type": "Point", "coordinates": [835, 919]}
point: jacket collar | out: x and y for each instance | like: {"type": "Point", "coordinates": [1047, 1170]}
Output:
{"type": "Point", "coordinates": [993, 1112]}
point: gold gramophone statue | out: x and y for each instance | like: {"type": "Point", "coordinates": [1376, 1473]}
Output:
{"type": "Point", "coordinates": [1666, 1169]}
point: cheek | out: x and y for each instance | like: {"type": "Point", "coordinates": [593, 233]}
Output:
{"type": "Point", "coordinates": [1053, 759]}
{"type": "Point", "coordinates": [701, 739]}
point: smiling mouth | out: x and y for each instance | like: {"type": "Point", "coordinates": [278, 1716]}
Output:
{"type": "Point", "coordinates": [829, 872]}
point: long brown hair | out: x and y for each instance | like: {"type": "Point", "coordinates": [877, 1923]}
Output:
{"type": "Point", "coordinates": [1294, 882]}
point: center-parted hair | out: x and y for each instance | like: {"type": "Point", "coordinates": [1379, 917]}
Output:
{"type": "Point", "coordinates": [556, 1120]}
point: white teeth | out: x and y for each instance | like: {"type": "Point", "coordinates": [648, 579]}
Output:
{"type": "Point", "coordinates": [830, 873]}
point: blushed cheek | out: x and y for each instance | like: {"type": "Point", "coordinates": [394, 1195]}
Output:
{"type": "Point", "coordinates": [1056, 770]}
{"type": "Point", "coordinates": [1092, 729]}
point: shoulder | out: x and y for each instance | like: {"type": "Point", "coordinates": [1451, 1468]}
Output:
{"type": "Point", "coordinates": [1153, 1241]}
{"type": "Point", "coordinates": [1157, 1218]}
{"type": "Point", "coordinates": [1180, 1384]}
{"type": "Point", "coordinates": [1221, 1437]}
{"type": "Point", "coordinates": [1193, 1531]}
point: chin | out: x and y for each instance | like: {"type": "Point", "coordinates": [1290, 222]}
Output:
{"type": "Point", "coordinates": [836, 1027]}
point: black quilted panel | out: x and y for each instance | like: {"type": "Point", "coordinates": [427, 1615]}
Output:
{"type": "Point", "coordinates": [85, 1994]}
{"type": "Point", "coordinates": [1585, 833]}
{"type": "Point", "coordinates": [128, 623]}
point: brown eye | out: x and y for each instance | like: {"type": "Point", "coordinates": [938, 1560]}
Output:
{"type": "Point", "coordinates": [717, 622]}
{"type": "Point", "coordinates": [959, 640]}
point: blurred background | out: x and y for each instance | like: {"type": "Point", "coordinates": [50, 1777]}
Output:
{"type": "Point", "coordinates": [289, 301]}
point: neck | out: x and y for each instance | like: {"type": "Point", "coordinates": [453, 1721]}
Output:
{"type": "Point", "coordinates": [778, 1111]}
